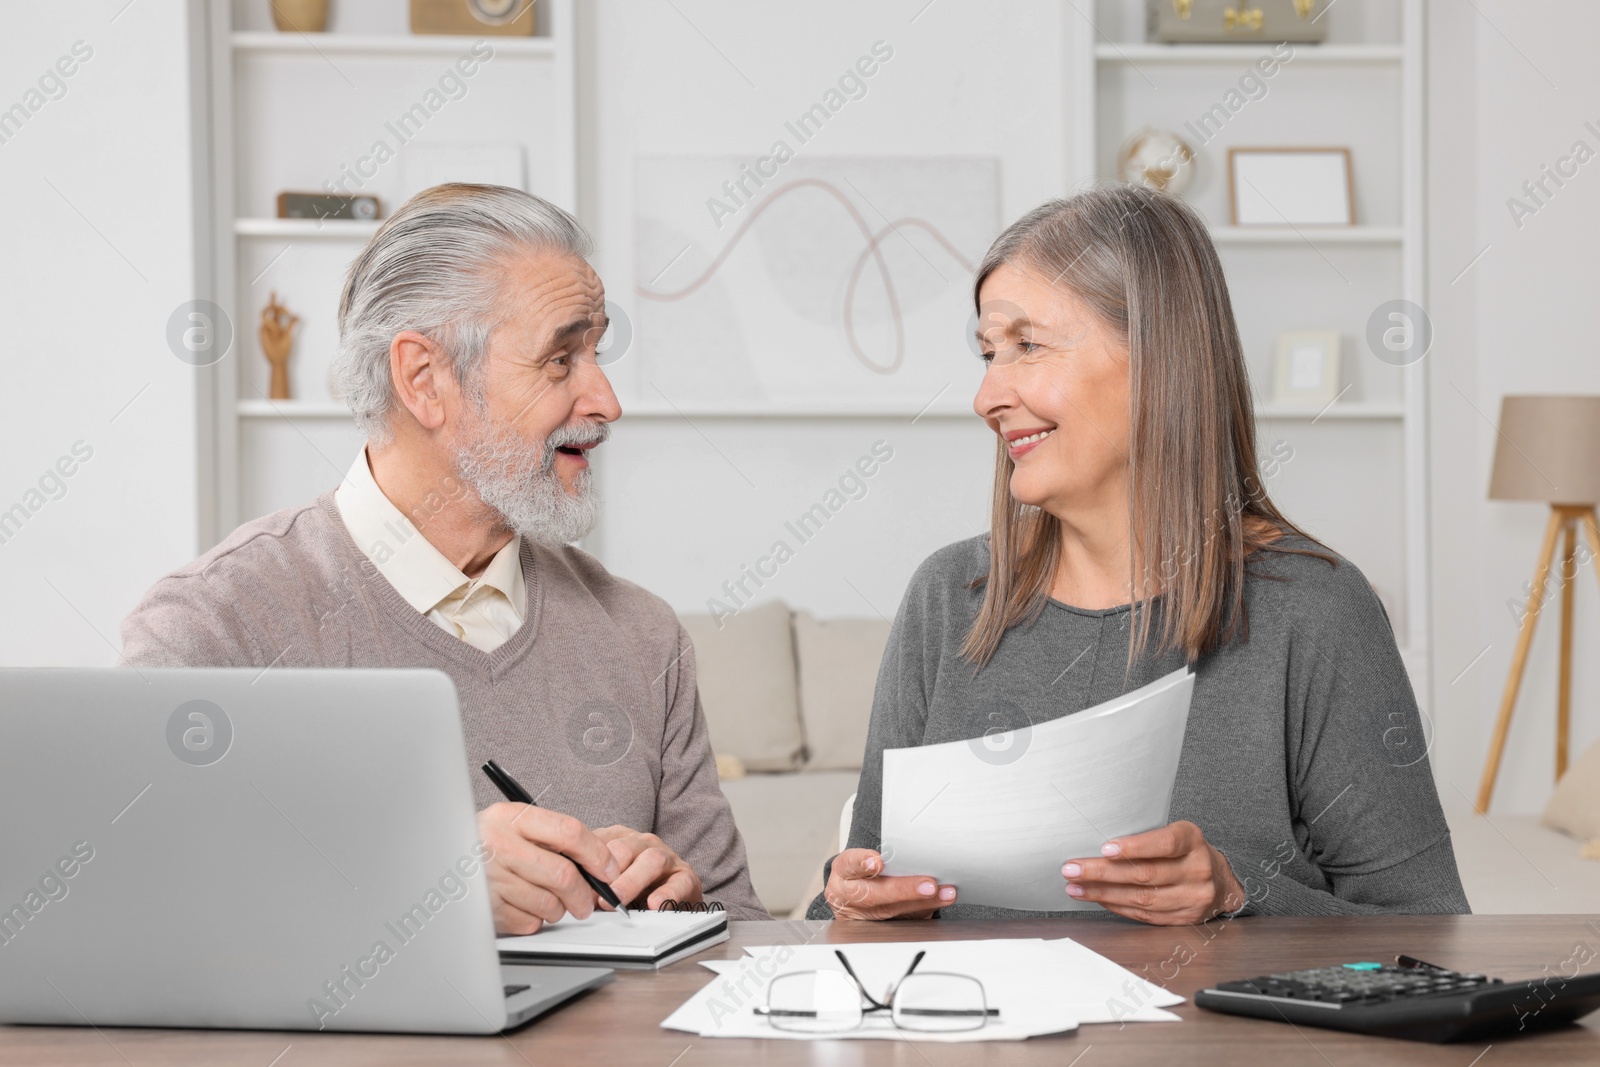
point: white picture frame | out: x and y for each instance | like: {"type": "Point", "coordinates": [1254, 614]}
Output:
{"type": "Point", "coordinates": [1291, 187]}
{"type": "Point", "coordinates": [1307, 368]}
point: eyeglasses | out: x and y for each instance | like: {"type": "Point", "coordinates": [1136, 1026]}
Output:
{"type": "Point", "coordinates": [828, 1002]}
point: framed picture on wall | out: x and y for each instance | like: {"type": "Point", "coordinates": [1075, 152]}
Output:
{"type": "Point", "coordinates": [1308, 368]}
{"type": "Point", "coordinates": [1291, 187]}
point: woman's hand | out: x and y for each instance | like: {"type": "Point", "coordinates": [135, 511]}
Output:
{"type": "Point", "coordinates": [1167, 877]}
{"type": "Point", "coordinates": [858, 889]}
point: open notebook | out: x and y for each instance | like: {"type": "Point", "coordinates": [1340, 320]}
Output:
{"type": "Point", "coordinates": [643, 940]}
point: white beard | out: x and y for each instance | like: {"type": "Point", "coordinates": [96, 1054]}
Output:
{"type": "Point", "coordinates": [518, 480]}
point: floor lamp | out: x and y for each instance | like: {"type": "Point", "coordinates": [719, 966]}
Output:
{"type": "Point", "coordinates": [1548, 449]}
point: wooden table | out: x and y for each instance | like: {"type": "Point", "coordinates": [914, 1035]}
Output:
{"type": "Point", "coordinates": [619, 1024]}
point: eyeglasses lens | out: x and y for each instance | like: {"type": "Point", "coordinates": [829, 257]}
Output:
{"type": "Point", "coordinates": [814, 1002]}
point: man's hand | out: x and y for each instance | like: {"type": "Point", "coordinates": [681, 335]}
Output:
{"type": "Point", "coordinates": [532, 880]}
{"type": "Point", "coordinates": [1167, 877]}
{"type": "Point", "coordinates": [858, 889]}
{"type": "Point", "coordinates": [648, 866]}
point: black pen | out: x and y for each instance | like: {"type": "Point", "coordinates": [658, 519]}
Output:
{"type": "Point", "coordinates": [514, 792]}
{"type": "Point", "coordinates": [1411, 963]}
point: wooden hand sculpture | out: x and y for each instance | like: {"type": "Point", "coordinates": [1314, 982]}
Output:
{"type": "Point", "coordinates": [277, 337]}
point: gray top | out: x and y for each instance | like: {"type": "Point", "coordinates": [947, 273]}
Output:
{"type": "Point", "coordinates": [1304, 761]}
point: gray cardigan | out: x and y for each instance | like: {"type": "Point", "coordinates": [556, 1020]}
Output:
{"type": "Point", "coordinates": [1304, 761]}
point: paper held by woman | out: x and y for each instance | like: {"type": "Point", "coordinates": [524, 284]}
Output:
{"type": "Point", "coordinates": [997, 816]}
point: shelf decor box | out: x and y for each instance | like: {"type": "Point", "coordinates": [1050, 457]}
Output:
{"type": "Point", "coordinates": [1233, 21]}
{"type": "Point", "coordinates": [473, 18]}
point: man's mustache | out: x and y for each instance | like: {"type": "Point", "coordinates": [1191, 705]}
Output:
{"type": "Point", "coordinates": [573, 434]}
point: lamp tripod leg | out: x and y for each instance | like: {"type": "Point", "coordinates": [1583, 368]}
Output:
{"type": "Point", "coordinates": [1569, 578]}
{"type": "Point", "coordinates": [1519, 661]}
{"type": "Point", "coordinates": [1591, 527]}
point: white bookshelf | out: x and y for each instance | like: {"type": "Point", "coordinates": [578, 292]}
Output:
{"type": "Point", "coordinates": [291, 111]}
{"type": "Point", "coordinates": [1234, 55]}
{"type": "Point", "coordinates": [389, 44]}
{"type": "Point", "coordinates": [305, 229]}
{"type": "Point", "coordinates": [1359, 474]}
{"type": "Point", "coordinates": [287, 108]}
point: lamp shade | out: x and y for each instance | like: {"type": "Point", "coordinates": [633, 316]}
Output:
{"type": "Point", "coordinates": [1548, 448]}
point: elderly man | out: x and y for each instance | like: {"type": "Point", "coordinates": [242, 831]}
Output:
{"type": "Point", "coordinates": [467, 343]}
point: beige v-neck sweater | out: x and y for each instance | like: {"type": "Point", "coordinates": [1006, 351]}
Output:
{"type": "Point", "coordinates": [591, 704]}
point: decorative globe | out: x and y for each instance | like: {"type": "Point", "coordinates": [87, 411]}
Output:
{"type": "Point", "coordinates": [1159, 159]}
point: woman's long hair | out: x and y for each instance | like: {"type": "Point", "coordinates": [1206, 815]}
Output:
{"type": "Point", "coordinates": [1144, 263]}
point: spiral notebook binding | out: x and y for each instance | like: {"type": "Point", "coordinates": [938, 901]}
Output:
{"type": "Point", "coordinates": [697, 905]}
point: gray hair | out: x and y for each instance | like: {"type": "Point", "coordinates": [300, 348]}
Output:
{"type": "Point", "coordinates": [431, 268]}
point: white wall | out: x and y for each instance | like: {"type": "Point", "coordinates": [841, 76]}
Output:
{"type": "Point", "coordinates": [1508, 95]}
{"type": "Point", "coordinates": [689, 505]}
{"type": "Point", "coordinates": [99, 249]}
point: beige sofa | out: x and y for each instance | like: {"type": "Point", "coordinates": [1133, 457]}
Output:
{"type": "Point", "coordinates": [787, 698]}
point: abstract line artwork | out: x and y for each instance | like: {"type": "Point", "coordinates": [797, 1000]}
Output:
{"type": "Point", "coordinates": [832, 280]}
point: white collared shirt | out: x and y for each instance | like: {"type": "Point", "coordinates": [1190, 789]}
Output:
{"type": "Point", "coordinates": [483, 611]}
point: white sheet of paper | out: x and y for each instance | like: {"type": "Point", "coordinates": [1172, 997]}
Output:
{"type": "Point", "coordinates": [998, 816]}
{"type": "Point", "coordinates": [1040, 987]}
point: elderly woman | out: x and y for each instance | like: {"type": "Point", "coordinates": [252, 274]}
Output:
{"type": "Point", "coordinates": [1130, 536]}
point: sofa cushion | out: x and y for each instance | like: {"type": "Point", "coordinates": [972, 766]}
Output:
{"type": "Point", "coordinates": [789, 823]}
{"type": "Point", "coordinates": [746, 675]}
{"type": "Point", "coordinates": [1574, 808]}
{"type": "Point", "coordinates": [838, 669]}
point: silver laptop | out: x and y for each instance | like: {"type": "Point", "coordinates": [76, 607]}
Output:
{"type": "Point", "coordinates": [238, 848]}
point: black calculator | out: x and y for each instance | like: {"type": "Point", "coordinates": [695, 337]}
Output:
{"type": "Point", "coordinates": [1408, 999]}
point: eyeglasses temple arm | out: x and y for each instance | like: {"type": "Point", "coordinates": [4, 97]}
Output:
{"type": "Point", "coordinates": [851, 971]}
{"type": "Point", "coordinates": [914, 961]}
